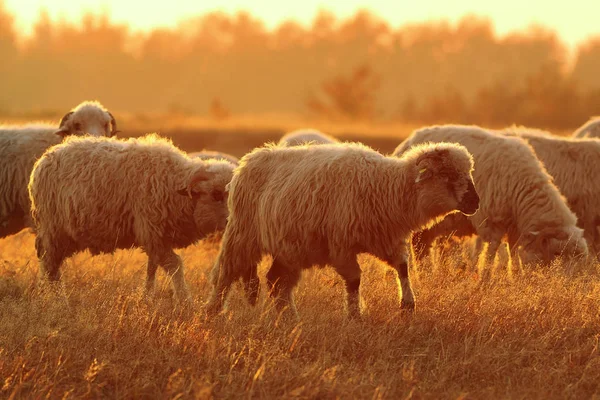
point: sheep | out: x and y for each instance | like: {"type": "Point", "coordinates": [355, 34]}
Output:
{"type": "Point", "coordinates": [22, 145]}
{"type": "Point", "coordinates": [306, 136]}
{"type": "Point", "coordinates": [590, 129]}
{"type": "Point", "coordinates": [323, 205]}
{"type": "Point", "coordinates": [115, 194]}
{"type": "Point", "coordinates": [217, 155]}
{"type": "Point", "coordinates": [573, 163]}
{"type": "Point", "coordinates": [519, 201]}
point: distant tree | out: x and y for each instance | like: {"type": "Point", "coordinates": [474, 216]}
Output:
{"type": "Point", "coordinates": [217, 110]}
{"type": "Point", "coordinates": [586, 71]}
{"type": "Point", "coordinates": [347, 97]}
{"type": "Point", "coordinates": [8, 54]}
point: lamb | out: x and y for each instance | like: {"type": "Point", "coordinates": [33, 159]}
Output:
{"type": "Point", "coordinates": [21, 146]}
{"type": "Point", "coordinates": [319, 205]}
{"type": "Point", "coordinates": [306, 136]}
{"type": "Point", "coordinates": [519, 201]}
{"type": "Point", "coordinates": [217, 155]}
{"type": "Point", "coordinates": [115, 194]}
{"type": "Point", "coordinates": [590, 129]}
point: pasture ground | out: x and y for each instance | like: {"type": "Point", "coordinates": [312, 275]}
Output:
{"type": "Point", "coordinates": [96, 336]}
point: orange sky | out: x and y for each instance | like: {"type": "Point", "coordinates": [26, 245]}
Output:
{"type": "Point", "coordinates": [574, 20]}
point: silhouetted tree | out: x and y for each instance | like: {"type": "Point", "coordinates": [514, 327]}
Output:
{"type": "Point", "coordinates": [349, 97]}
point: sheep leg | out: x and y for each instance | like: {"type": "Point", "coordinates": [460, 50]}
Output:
{"type": "Point", "coordinates": [351, 273]}
{"type": "Point", "coordinates": [251, 284]}
{"type": "Point", "coordinates": [237, 258]}
{"type": "Point", "coordinates": [221, 286]}
{"type": "Point", "coordinates": [486, 259]}
{"type": "Point", "coordinates": [515, 260]}
{"type": "Point", "coordinates": [400, 264]}
{"type": "Point", "coordinates": [50, 259]}
{"type": "Point", "coordinates": [173, 265]}
{"type": "Point", "coordinates": [281, 281]}
{"type": "Point", "coordinates": [151, 274]}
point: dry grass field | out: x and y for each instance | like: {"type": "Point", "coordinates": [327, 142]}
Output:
{"type": "Point", "coordinates": [95, 335]}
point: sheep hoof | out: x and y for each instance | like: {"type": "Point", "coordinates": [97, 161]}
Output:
{"type": "Point", "coordinates": [407, 305]}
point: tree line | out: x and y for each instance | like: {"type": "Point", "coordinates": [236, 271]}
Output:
{"type": "Point", "coordinates": [355, 68]}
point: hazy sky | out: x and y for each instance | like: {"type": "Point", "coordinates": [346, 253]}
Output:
{"type": "Point", "coordinates": [574, 20]}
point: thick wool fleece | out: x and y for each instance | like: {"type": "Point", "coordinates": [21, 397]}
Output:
{"type": "Point", "coordinates": [518, 198]}
{"type": "Point", "coordinates": [104, 194]}
{"type": "Point", "coordinates": [590, 129]}
{"type": "Point", "coordinates": [22, 145]}
{"type": "Point", "coordinates": [306, 136]}
{"type": "Point", "coordinates": [317, 205]}
{"type": "Point", "coordinates": [573, 163]}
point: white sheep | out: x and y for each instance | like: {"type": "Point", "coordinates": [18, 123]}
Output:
{"type": "Point", "coordinates": [519, 202]}
{"type": "Point", "coordinates": [590, 129]}
{"type": "Point", "coordinates": [104, 194]}
{"type": "Point", "coordinates": [22, 145]}
{"type": "Point", "coordinates": [574, 165]}
{"type": "Point", "coordinates": [318, 205]}
{"type": "Point", "coordinates": [216, 155]}
{"type": "Point", "coordinates": [306, 136]}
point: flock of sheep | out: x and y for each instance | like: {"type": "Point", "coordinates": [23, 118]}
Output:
{"type": "Point", "coordinates": [307, 200]}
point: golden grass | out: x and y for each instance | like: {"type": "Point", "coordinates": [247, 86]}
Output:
{"type": "Point", "coordinates": [96, 336]}
{"type": "Point", "coordinates": [533, 336]}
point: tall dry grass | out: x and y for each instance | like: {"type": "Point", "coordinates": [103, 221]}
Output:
{"type": "Point", "coordinates": [96, 336]}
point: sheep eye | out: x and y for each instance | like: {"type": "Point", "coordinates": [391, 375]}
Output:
{"type": "Point", "coordinates": [77, 126]}
{"type": "Point", "coordinates": [217, 195]}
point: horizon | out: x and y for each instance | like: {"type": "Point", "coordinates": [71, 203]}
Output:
{"type": "Point", "coordinates": [508, 18]}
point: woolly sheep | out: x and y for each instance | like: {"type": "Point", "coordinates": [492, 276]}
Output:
{"type": "Point", "coordinates": [306, 136]}
{"type": "Point", "coordinates": [216, 155]}
{"type": "Point", "coordinates": [518, 199]}
{"type": "Point", "coordinates": [318, 205]}
{"type": "Point", "coordinates": [573, 163]}
{"type": "Point", "coordinates": [22, 145]}
{"type": "Point", "coordinates": [590, 129]}
{"type": "Point", "coordinates": [115, 194]}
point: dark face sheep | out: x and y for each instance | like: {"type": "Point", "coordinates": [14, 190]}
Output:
{"type": "Point", "coordinates": [88, 118]}
{"type": "Point", "coordinates": [210, 190]}
{"type": "Point", "coordinates": [444, 184]}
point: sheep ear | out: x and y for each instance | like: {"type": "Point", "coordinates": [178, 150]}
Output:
{"type": "Point", "coordinates": [199, 176]}
{"type": "Point", "coordinates": [113, 125]}
{"type": "Point", "coordinates": [422, 174]}
{"type": "Point", "coordinates": [65, 118]}
{"type": "Point", "coordinates": [63, 130]}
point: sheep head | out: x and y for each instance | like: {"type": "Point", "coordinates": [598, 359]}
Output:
{"type": "Point", "coordinates": [443, 178]}
{"type": "Point", "coordinates": [88, 118]}
{"type": "Point", "coordinates": [549, 243]}
{"type": "Point", "coordinates": [207, 188]}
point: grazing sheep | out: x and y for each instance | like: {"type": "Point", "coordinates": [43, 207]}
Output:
{"type": "Point", "coordinates": [318, 205]}
{"type": "Point", "coordinates": [590, 129]}
{"type": "Point", "coordinates": [519, 202]}
{"type": "Point", "coordinates": [306, 136]}
{"type": "Point", "coordinates": [574, 165]}
{"type": "Point", "coordinates": [115, 194]}
{"type": "Point", "coordinates": [215, 155]}
{"type": "Point", "coordinates": [22, 145]}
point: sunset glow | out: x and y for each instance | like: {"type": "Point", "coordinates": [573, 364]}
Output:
{"type": "Point", "coordinates": [574, 22]}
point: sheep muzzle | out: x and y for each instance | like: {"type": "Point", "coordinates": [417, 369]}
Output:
{"type": "Point", "coordinates": [469, 203]}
